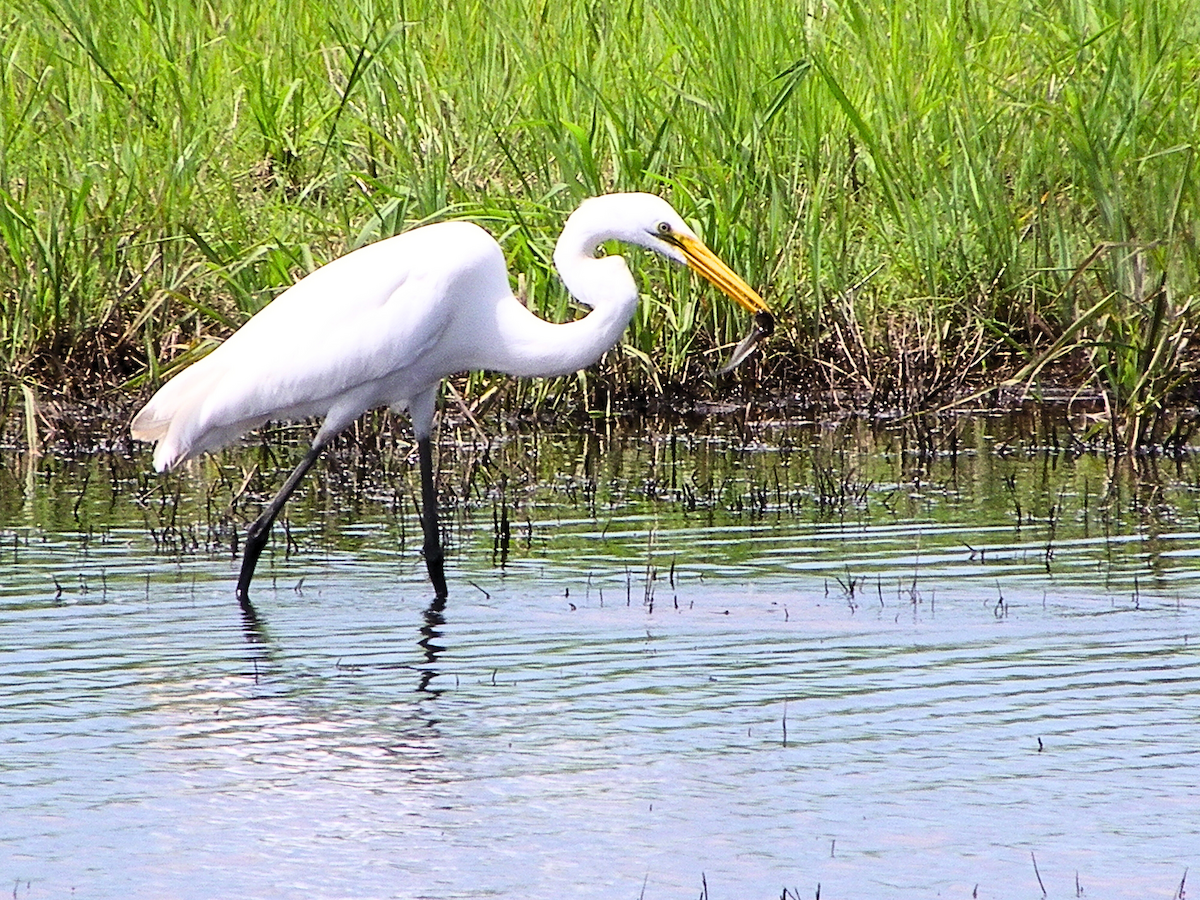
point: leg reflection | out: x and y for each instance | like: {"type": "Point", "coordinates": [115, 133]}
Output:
{"type": "Point", "coordinates": [254, 631]}
{"type": "Point", "coordinates": [434, 619]}
{"type": "Point", "coordinates": [253, 628]}
{"type": "Point", "coordinates": [259, 645]}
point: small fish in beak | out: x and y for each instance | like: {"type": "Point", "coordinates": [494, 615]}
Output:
{"type": "Point", "coordinates": [762, 327]}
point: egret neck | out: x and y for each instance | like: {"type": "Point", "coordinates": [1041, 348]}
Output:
{"type": "Point", "coordinates": [534, 346]}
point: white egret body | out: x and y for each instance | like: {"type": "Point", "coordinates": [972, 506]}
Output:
{"type": "Point", "coordinates": [383, 325]}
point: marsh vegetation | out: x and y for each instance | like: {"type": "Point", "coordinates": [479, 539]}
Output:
{"type": "Point", "coordinates": [935, 198]}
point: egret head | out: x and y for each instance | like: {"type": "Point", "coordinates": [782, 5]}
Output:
{"type": "Point", "coordinates": [646, 220]}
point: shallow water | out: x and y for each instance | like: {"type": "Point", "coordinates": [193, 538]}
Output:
{"type": "Point", "coordinates": [783, 659]}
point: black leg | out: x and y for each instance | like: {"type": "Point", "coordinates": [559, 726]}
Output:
{"type": "Point", "coordinates": [429, 519]}
{"type": "Point", "coordinates": [257, 534]}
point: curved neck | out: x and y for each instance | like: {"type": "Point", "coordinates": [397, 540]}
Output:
{"type": "Point", "coordinates": [533, 346]}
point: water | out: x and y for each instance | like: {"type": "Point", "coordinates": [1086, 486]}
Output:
{"type": "Point", "coordinates": [792, 658]}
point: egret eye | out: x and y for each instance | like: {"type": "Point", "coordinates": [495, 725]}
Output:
{"type": "Point", "coordinates": [664, 227]}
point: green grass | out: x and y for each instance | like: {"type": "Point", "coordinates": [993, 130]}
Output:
{"type": "Point", "coordinates": [953, 186]}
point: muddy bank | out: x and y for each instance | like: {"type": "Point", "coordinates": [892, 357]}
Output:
{"type": "Point", "coordinates": [65, 417]}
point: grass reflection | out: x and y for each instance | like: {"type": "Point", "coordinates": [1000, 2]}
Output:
{"type": "Point", "coordinates": [648, 499]}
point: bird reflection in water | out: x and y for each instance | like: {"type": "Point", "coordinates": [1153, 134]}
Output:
{"type": "Point", "coordinates": [434, 619]}
{"type": "Point", "coordinates": [253, 627]}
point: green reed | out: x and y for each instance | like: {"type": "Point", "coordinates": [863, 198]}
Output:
{"type": "Point", "coordinates": [910, 185]}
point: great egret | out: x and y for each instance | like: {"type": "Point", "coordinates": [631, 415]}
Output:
{"type": "Point", "coordinates": [383, 325]}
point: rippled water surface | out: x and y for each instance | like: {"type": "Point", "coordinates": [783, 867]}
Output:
{"type": "Point", "coordinates": [799, 659]}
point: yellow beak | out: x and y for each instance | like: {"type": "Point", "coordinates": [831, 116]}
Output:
{"type": "Point", "coordinates": [709, 265]}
